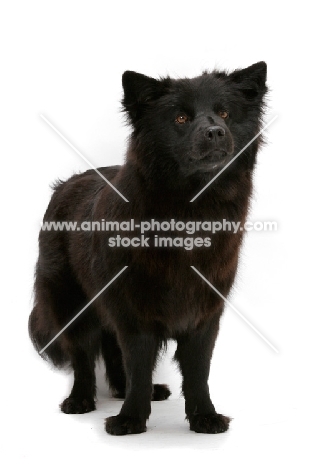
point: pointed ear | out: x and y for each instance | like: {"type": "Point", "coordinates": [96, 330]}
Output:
{"type": "Point", "coordinates": [139, 92]}
{"type": "Point", "coordinates": [251, 81]}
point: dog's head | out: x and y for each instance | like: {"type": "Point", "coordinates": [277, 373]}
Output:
{"type": "Point", "coordinates": [188, 128]}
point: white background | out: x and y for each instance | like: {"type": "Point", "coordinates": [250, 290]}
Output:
{"type": "Point", "coordinates": [64, 59]}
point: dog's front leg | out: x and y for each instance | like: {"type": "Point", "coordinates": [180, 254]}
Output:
{"type": "Point", "coordinates": [193, 354]}
{"type": "Point", "coordinates": [139, 353]}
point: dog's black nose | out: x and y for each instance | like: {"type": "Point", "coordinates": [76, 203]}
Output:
{"type": "Point", "coordinates": [215, 133]}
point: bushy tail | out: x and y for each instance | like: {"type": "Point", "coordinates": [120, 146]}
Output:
{"type": "Point", "coordinates": [41, 333]}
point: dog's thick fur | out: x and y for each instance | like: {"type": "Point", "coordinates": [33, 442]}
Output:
{"type": "Point", "coordinates": [184, 131]}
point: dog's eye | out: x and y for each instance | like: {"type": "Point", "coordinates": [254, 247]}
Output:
{"type": "Point", "coordinates": [223, 114]}
{"type": "Point", "coordinates": [181, 119]}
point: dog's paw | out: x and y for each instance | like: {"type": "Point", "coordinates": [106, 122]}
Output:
{"type": "Point", "coordinates": [160, 392]}
{"type": "Point", "coordinates": [122, 425]}
{"type": "Point", "coordinates": [209, 423]}
{"type": "Point", "coordinates": [74, 405]}
{"type": "Point", "coordinates": [120, 394]}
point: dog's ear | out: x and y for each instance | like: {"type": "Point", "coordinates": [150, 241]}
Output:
{"type": "Point", "coordinates": [251, 80]}
{"type": "Point", "coordinates": [139, 92]}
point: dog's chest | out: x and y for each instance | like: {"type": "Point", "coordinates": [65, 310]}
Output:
{"type": "Point", "coordinates": [166, 290]}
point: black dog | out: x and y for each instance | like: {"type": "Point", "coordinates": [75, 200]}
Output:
{"type": "Point", "coordinates": [184, 132]}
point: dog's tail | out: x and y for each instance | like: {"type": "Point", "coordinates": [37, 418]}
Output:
{"type": "Point", "coordinates": [41, 332]}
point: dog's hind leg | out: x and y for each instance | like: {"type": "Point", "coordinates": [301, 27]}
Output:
{"type": "Point", "coordinates": [82, 339]}
{"type": "Point", "coordinates": [112, 356]}
{"type": "Point", "coordinates": [81, 398]}
{"type": "Point", "coordinates": [59, 298]}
